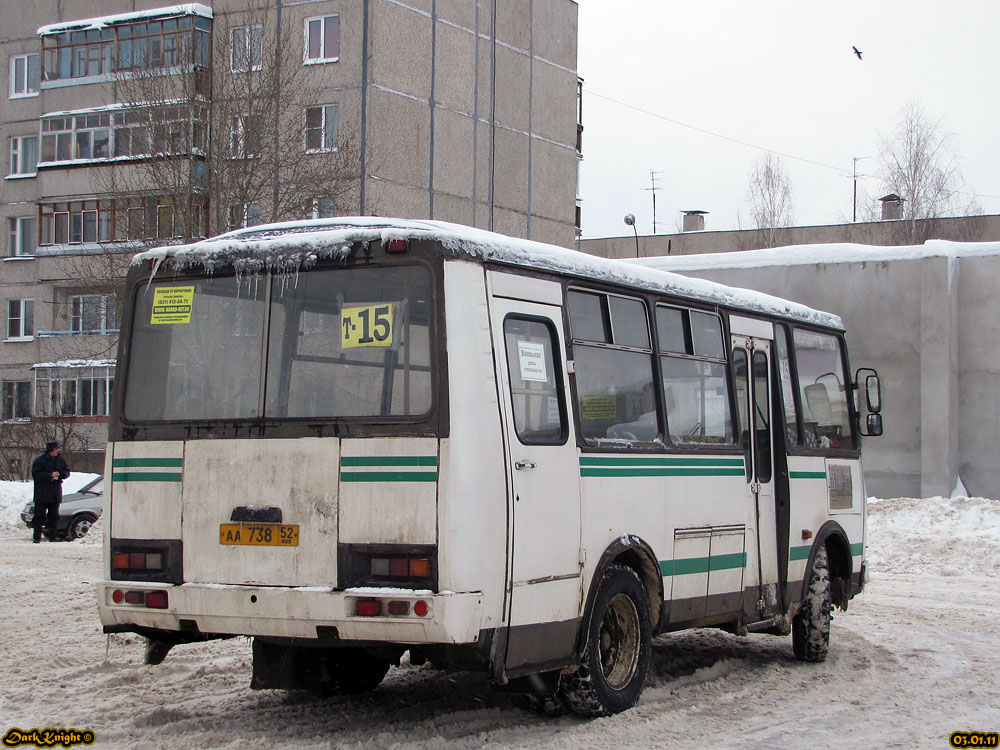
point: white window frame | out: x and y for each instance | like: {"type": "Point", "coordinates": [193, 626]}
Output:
{"type": "Point", "coordinates": [17, 329]}
{"type": "Point", "coordinates": [323, 56]}
{"type": "Point", "coordinates": [103, 308]}
{"type": "Point", "coordinates": [17, 154]}
{"type": "Point", "coordinates": [61, 391]}
{"type": "Point", "coordinates": [20, 229]}
{"type": "Point", "coordinates": [251, 49]}
{"type": "Point", "coordinates": [238, 144]}
{"type": "Point", "coordinates": [27, 82]}
{"type": "Point", "coordinates": [325, 110]}
{"type": "Point", "coordinates": [314, 207]}
{"type": "Point", "coordinates": [12, 399]}
{"type": "Point", "coordinates": [243, 215]}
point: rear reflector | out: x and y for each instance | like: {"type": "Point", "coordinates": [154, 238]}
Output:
{"type": "Point", "coordinates": [420, 609]}
{"type": "Point", "coordinates": [156, 599]}
{"type": "Point", "coordinates": [368, 608]}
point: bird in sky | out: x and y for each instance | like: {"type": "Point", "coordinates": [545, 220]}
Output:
{"type": "Point", "coordinates": [856, 52]}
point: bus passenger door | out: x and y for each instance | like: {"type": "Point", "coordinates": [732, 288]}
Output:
{"type": "Point", "coordinates": [751, 362]}
{"type": "Point", "coordinates": [543, 575]}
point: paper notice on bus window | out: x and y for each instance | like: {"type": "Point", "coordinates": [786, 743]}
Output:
{"type": "Point", "coordinates": [531, 357]}
{"type": "Point", "coordinates": [599, 406]}
{"type": "Point", "coordinates": [172, 305]}
{"type": "Point", "coordinates": [366, 325]}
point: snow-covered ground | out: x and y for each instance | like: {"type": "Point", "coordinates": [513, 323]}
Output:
{"type": "Point", "coordinates": [914, 658]}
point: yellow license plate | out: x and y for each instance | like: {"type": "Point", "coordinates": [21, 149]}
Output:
{"type": "Point", "coordinates": [259, 534]}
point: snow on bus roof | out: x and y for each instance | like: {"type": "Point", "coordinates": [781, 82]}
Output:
{"type": "Point", "coordinates": [290, 246]}
{"type": "Point", "coordinates": [839, 252]}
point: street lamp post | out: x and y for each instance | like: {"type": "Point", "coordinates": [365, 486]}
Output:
{"type": "Point", "coordinates": [630, 220]}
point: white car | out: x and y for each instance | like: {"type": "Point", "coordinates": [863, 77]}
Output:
{"type": "Point", "coordinates": [77, 512]}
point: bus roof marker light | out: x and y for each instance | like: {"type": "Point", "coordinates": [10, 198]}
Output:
{"type": "Point", "coordinates": [397, 246]}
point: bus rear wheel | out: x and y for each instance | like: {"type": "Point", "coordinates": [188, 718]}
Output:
{"type": "Point", "coordinates": [811, 625]}
{"type": "Point", "coordinates": [350, 671]}
{"type": "Point", "coordinates": [612, 672]}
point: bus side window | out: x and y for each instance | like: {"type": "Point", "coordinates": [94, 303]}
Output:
{"type": "Point", "coordinates": [695, 377]}
{"type": "Point", "coordinates": [535, 382]}
{"type": "Point", "coordinates": [826, 422]}
{"type": "Point", "coordinates": [614, 369]}
{"type": "Point", "coordinates": [791, 410]}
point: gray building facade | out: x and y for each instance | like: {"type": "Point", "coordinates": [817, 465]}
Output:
{"type": "Point", "coordinates": [455, 110]}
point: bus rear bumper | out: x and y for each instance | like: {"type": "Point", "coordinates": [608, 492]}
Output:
{"type": "Point", "coordinates": [292, 612]}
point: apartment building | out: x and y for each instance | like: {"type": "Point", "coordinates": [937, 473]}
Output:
{"type": "Point", "coordinates": [133, 123]}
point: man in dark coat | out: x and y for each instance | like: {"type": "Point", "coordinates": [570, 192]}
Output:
{"type": "Point", "coordinates": [48, 470]}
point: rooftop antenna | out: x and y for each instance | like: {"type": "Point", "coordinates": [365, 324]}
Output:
{"type": "Point", "coordinates": [856, 160]}
{"type": "Point", "coordinates": [653, 187]}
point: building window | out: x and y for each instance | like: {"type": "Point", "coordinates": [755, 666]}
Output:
{"type": "Point", "coordinates": [321, 208]}
{"type": "Point", "coordinates": [246, 51]}
{"type": "Point", "coordinates": [93, 313]}
{"type": "Point", "coordinates": [76, 222]}
{"type": "Point", "coordinates": [138, 133]}
{"type": "Point", "coordinates": [24, 75]}
{"type": "Point", "coordinates": [20, 319]}
{"type": "Point", "coordinates": [16, 400]}
{"type": "Point", "coordinates": [22, 236]}
{"type": "Point", "coordinates": [23, 154]}
{"type": "Point", "coordinates": [321, 128]}
{"type": "Point", "coordinates": [244, 215]}
{"type": "Point", "coordinates": [83, 391]}
{"type": "Point", "coordinates": [322, 39]}
{"type": "Point", "coordinates": [244, 136]}
{"type": "Point", "coordinates": [140, 42]}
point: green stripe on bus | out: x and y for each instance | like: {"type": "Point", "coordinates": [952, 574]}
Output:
{"type": "Point", "coordinates": [388, 476]}
{"type": "Point", "coordinates": [604, 461]}
{"type": "Point", "coordinates": [693, 565]}
{"type": "Point", "coordinates": [807, 475]}
{"type": "Point", "coordinates": [663, 472]}
{"type": "Point", "coordinates": [802, 553]}
{"type": "Point", "coordinates": [130, 463]}
{"type": "Point", "coordinates": [388, 461]}
{"type": "Point", "coordinates": [146, 476]}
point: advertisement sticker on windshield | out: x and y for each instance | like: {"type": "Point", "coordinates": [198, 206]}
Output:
{"type": "Point", "coordinates": [172, 305]}
{"type": "Point", "coordinates": [366, 325]}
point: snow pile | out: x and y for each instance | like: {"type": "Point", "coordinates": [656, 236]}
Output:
{"type": "Point", "coordinates": [957, 536]}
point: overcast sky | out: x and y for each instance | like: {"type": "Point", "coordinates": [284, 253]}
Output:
{"type": "Point", "coordinates": [781, 75]}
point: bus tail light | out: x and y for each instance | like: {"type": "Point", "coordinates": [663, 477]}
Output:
{"type": "Point", "coordinates": [398, 608]}
{"type": "Point", "coordinates": [368, 608]}
{"type": "Point", "coordinates": [150, 599]}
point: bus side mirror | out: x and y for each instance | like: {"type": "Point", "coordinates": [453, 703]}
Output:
{"type": "Point", "coordinates": [873, 425]}
{"type": "Point", "coordinates": [873, 402]}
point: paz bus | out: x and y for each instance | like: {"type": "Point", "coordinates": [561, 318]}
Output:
{"type": "Point", "coordinates": [351, 439]}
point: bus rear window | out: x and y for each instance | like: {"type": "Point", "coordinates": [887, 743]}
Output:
{"type": "Point", "coordinates": [340, 343]}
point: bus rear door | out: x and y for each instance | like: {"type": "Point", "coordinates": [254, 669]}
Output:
{"type": "Point", "coordinates": [543, 574]}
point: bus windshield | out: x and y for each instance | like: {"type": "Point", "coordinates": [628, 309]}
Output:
{"type": "Point", "coordinates": [335, 343]}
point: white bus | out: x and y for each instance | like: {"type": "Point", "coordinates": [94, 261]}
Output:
{"type": "Point", "coordinates": [356, 438]}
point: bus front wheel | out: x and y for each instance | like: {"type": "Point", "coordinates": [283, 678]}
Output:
{"type": "Point", "coordinates": [811, 625]}
{"type": "Point", "coordinates": [612, 672]}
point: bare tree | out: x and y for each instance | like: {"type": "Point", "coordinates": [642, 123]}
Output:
{"type": "Point", "coordinates": [919, 163]}
{"type": "Point", "coordinates": [770, 195]}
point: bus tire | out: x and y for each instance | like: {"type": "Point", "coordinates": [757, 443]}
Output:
{"type": "Point", "coordinates": [350, 671]}
{"type": "Point", "coordinates": [612, 671]}
{"type": "Point", "coordinates": [811, 625]}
